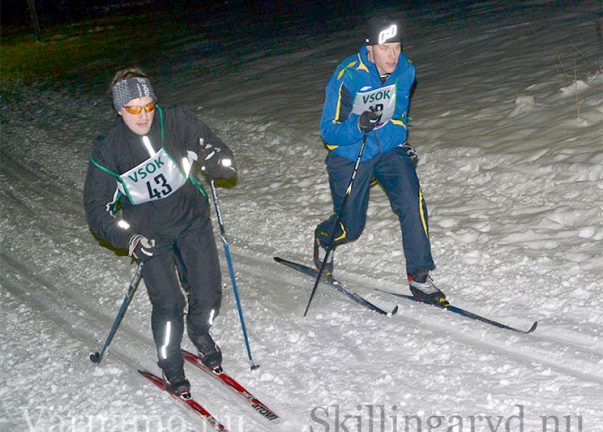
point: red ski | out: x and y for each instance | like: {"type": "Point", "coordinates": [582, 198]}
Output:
{"type": "Point", "coordinates": [234, 386]}
{"type": "Point", "coordinates": [189, 403]}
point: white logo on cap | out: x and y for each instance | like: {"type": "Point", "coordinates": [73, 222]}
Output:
{"type": "Point", "coordinates": [388, 33]}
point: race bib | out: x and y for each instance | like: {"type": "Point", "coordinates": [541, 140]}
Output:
{"type": "Point", "coordinates": [382, 99]}
{"type": "Point", "coordinates": [156, 178]}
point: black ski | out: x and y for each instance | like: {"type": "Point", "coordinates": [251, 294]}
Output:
{"type": "Point", "coordinates": [465, 313]}
{"type": "Point", "coordinates": [337, 285]}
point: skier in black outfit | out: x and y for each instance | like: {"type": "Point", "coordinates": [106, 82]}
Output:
{"type": "Point", "coordinates": [143, 166]}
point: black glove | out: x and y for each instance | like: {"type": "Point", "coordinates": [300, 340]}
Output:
{"type": "Point", "coordinates": [141, 248]}
{"type": "Point", "coordinates": [217, 163]}
{"type": "Point", "coordinates": [412, 154]}
{"type": "Point", "coordinates": [368, 120]}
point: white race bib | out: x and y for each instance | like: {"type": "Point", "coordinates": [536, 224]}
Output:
{"type": "Point", "coordinates": [156, 178]}
{"type": "Point", "coordinates": [382, 99]}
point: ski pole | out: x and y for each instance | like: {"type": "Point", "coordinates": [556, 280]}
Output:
{"type": "Point", "coordinates": [338, 220]}
{"type": "Point", "coordinates": [98, 356]}
{"type": "Point", "coordinates": [214, 195]}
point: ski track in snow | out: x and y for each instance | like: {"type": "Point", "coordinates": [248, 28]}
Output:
{"type": "Point", "coordinates": [573, 357]}
{"type": "Point", "coordinates": [514, 181]}
{"type": "Point", "coordinates": [510, 345]}
{"type": "Point", "coordinates": [72, 314]}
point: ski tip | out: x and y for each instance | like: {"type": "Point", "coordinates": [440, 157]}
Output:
{"type": "Point", "coordinates": [393, 312]}
{"type": "Point", "coordinates": [278, 259]}
{"type": "Point", "coordinates": [533, 327]}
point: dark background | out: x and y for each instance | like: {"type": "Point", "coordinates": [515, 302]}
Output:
{"type": "Point", "coordinates": [15, 12]}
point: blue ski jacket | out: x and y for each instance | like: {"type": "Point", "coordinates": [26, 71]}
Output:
{"type": "Point", "coordinates": [356, 83]}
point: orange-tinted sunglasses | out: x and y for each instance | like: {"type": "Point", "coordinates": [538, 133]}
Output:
{"type": "Point", "coordinates": [135, 110]}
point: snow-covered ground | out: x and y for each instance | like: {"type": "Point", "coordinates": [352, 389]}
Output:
{"type": "Point", "coordinates": [508, 122]}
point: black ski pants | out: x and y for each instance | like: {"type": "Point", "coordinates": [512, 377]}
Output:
{"type": "Point", "coordinates": [187, 266]}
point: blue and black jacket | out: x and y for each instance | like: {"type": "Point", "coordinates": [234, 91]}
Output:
{"type": "Point", "coordinates": [339, 125]}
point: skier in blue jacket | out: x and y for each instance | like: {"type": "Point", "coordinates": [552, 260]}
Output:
{"type": "Point", "coordinates": [367, 100]}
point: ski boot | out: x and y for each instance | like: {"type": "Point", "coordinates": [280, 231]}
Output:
{"type": "Point", "coordinates": [422, 287]}
{"type": "Point", "coordinates": [209, 351]}
{"type": "Point", "coordinates": [319, 254]}
{"type": "Point", "coordinates": [176, 382]}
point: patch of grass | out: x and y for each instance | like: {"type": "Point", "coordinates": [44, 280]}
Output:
{"type": "Point", "coordinates": [169, 40]}
{"type": "Point", "coordinates": [85, 54]}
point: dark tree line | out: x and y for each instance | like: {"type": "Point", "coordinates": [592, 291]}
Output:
{"type": "Point", "coordinates": [43, 13]}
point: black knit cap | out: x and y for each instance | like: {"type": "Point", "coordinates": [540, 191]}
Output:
{"type": "Point", "coordinates": [383, 30]}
